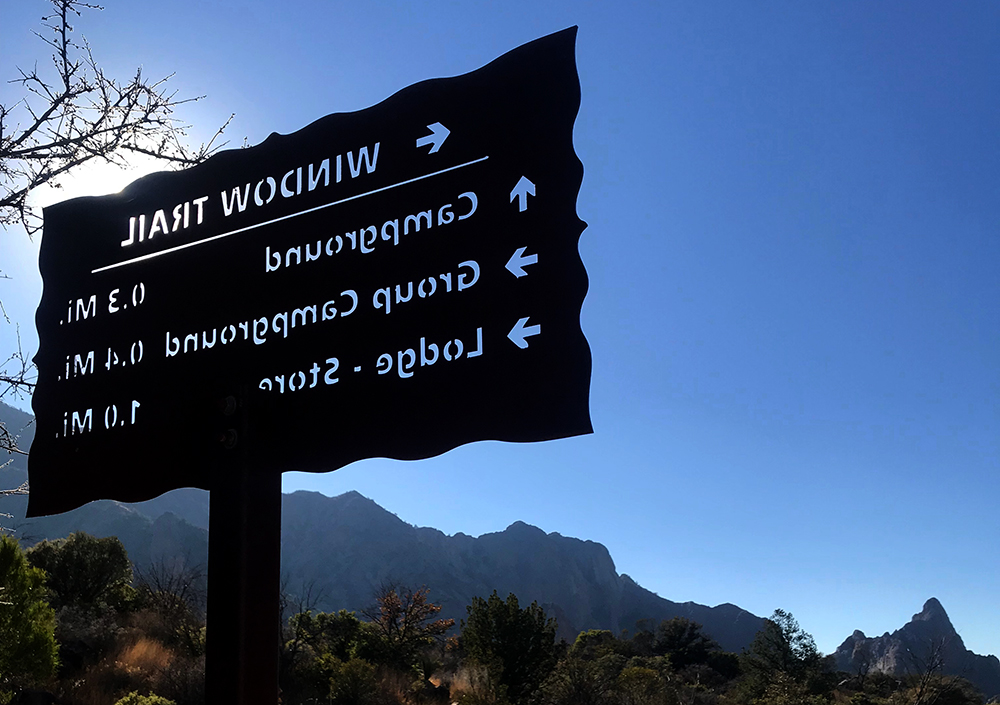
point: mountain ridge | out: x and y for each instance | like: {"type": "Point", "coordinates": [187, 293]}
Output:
{"type": "Point", "coordinates": [577, 578]}
{"type": "Point", "coordinates": [341, 549]}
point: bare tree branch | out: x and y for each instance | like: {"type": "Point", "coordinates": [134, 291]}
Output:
{"type": "Point", "coordinates": [78, 114]}
{"type": "Point", "coordinates": [20, 489]}
{"type": "Point", "coordinates": [17, 378]}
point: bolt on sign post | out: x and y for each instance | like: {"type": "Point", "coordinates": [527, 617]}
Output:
{"type": "Point", "coordinates": [393, 282]}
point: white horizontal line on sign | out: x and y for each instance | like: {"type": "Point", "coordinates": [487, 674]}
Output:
{"type": "Point", "coordinates": [186, 245]}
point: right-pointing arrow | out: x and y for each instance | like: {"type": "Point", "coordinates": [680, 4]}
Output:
{"type": "Point", "coordinates": [520, 331]}
{"type": "Point", "coordinates": [518, 261]}
{"type": "Point", "coordinates": [439, 133]}
{"type": "Point", "coordinates": [521, 191]}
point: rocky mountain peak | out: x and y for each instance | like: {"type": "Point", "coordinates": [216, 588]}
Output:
{"type": "Point", "coordinates": [933, 611]}
{"type": "Point", "coordinates": [521, 529]}
{"type": "Point", "coordinates": [929, 635]}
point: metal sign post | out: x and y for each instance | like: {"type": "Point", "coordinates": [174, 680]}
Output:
{"type": "Point", "coordinates": [244, 575]}
{"type": "Point", "coordinates": [393, 282]}
{"type": "Point", "coordinates": [244, 578]}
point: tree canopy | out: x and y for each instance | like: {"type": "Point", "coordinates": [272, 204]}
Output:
{"type": "Point", "coordinates": [517, 645]}
{"type": "Point", "coordinates": [87, 572]}
{"type": "Point", "coordinates": [683, 641]}
{"type": "Point", "coordinates": [28, 650]}
{"type": "Point", "coordinates": [783, 659]}
{"type": "Point", "coordinates": [403, 622]}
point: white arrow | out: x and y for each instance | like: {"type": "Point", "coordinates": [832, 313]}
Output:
{"type": "Point", "coordinates": [518, 261]}
{"type": "Point", "coordinates": [519, 332]}
{"type": "Point", "coordinates": [521, 191]}
{"type": "Point", "coordinates": [439, 133]}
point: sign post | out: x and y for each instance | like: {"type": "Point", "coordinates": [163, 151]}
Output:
{"type": "Point", "coordinates": [393, 282]}
{"type": "Point", "coordinates": [244, 581]}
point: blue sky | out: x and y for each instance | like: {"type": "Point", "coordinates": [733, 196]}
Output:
{"type": "Point", "coordinates": [794, 308]}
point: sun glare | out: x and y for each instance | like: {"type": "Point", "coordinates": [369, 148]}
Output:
{"type": "Point", "coordinates": [96, 179]}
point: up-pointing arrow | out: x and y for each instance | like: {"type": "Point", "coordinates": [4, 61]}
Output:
{"type": "Point", "coordinates": [521, 191]}
{"type": "Point", "coordinates": [439, 133]}
{"type": "Point", "coordinates": [519, 332]}
{"type": "Point", "coordinates": [518, 261]}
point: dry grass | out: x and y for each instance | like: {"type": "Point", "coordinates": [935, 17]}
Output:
{"type": "Point", "coordinates": [472, 684]}
{"type": "Point", "coordinates": [137, 664]}
{"type": "Point", "coordinates": [145, 655]}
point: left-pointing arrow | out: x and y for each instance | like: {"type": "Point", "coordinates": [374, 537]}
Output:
{"type": "Point", "coordinates": [439, 133]}
{"type": "Point", "coordinates": [520, 331]}
{"type": "Point", "coordinates": [518, 261]}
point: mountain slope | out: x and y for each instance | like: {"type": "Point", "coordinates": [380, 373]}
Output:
{"type": "Point", "coordinates": [354, 545]}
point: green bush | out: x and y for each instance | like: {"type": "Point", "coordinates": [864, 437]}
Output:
{"type": "Point", "coordinates": [134, 698]}
{"type": "Point", "coordinates": [354, 683]}
{"type": "Point", "coordinates": [637, 685]}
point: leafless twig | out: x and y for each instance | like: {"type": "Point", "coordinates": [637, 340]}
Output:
{"type": "Point", "coordinates": [75, 113]}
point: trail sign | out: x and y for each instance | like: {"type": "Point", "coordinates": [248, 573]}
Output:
{"type": "Point", "coordinates": [393, 282]}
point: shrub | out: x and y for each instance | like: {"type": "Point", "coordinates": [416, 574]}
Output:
{"type": "Point", "coordinates": [134, 698]}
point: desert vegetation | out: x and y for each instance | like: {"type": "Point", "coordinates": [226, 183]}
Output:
{"type": "Point", "coordinates": [78, 625]}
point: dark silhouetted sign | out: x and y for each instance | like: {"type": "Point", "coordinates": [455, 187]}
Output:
{"type": "Point", "coordinates": [392, 282]}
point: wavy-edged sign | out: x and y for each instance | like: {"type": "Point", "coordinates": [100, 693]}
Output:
{"type": "Point", "coordinates": [392, 282]}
